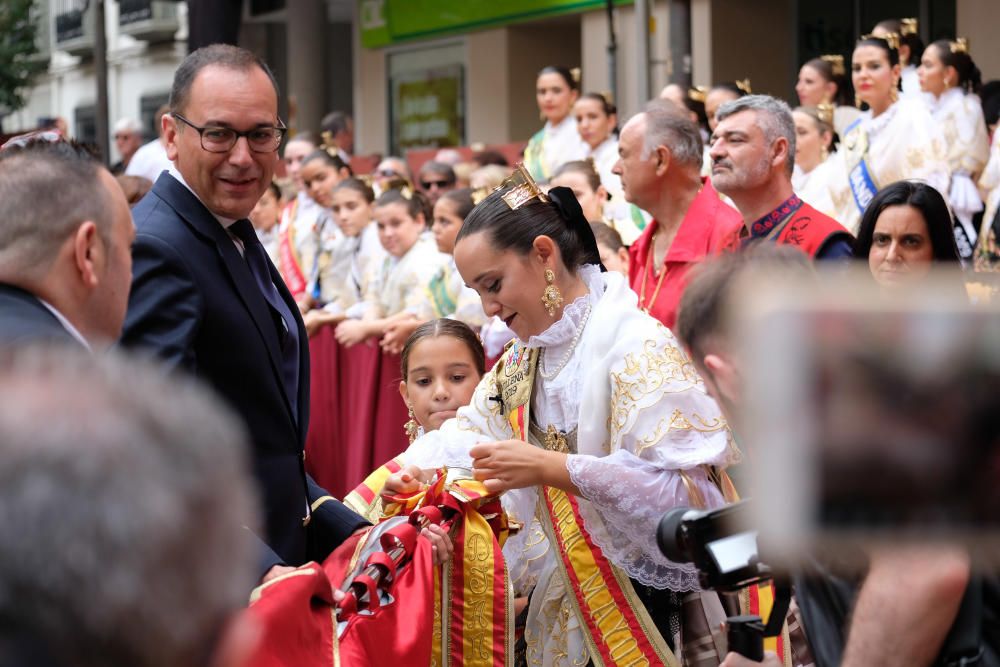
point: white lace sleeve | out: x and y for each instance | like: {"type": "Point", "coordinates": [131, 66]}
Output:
{"type": "Point", "coordinates": [480, 421]}
{"type": "Point", "coordinates": [629, 496]}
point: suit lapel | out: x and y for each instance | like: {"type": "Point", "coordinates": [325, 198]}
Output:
{"type": "Point", "coordinates": [199, 218]}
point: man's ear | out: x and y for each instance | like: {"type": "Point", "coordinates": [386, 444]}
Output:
{"type": "Point", "coordinates": [780, 148]}
{"type": "Point", "coordinates": [87, 253]}
{"type": "Point", "coordinates": [170, 131]}
{"type": "Point", "coordinates": [662, 160]}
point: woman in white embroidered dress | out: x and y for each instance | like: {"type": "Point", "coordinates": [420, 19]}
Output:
{"type": "Point", "coordinates": [556, 91]}
{"type": "Point", "coordinates": [813, 157]}
{"type": "Point", "coordinates": [823, 80]}
{"type": "Point", "coordinates": [619, 420]}
{"type": "Point", "coordinates": [895, 140]}
{"type": "Point", "coordinates": [952, 81]}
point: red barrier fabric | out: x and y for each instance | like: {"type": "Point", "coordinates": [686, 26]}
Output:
{"type": "Point", "coordinates": [356, 415]}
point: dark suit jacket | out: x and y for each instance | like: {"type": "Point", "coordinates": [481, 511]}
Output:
{"type": "Point", "coordinates": [23, 319]}
{"type": "Point", "coordinates": [195, 304]}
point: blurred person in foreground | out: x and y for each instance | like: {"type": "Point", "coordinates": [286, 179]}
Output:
{"type": "Point", "coordinates": [65, 252]}
{"type": "Point", "coordinates": [122, 516]}
{"type": "Point", "coordinates": [910, 596]}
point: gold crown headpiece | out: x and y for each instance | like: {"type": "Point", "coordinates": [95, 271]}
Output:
{"type": "Point", "coordinates": [698, 93]}
{"type": "Point", "coordinates": [836, 62]}
{"type": "Point", "coordinates": [608, 97]}
{"type": "Point", "coordinates": [825, 112]}
{"type": "Point", "coordinates": [960, 45]}
{"type": "Point", "coordinates": [744, 85]}
{"type": "Point", "coordinates": [575, 73]}
{"type": "Point", "coordinates": [520, 188]}
{"type": "Point", "coordinates": [908, 27]}
{"type": "Point", "coordinates": [890, 38]}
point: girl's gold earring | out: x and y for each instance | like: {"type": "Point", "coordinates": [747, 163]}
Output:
{"type": "Point", "coordinates": [411, 427]}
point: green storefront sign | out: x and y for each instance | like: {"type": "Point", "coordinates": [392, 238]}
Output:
{"type": "Point", "coordinates": [385, 22]}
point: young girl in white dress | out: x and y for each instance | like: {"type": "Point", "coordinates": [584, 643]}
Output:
{"type": "Point", "coordinates": [813, 152]}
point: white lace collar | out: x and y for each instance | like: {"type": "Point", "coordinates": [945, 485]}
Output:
{"type": "Point", "coordinates": [876, 125]}
{"type": "Point", "coordinates": [948, 98]}
{"type": "Point", "coordinates": [563, 330]}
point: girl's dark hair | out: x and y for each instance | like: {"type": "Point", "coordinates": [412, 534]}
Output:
{"type": "Point", "coordinates": [416, 202]}
{"type": "Point", "coordinates": [911, 39]}
{"type": "Point", "coordinates": [565, 73]}
{"type": "Point", "coordinates": [925, 199]}
{"type": "Point", "coordinates": [825, 69]}
{"type": "Point", "coordinates": [358, 186]}
{"type": "Point", "coordinates": [607, 236]}
{"type": "Point", "coordinates": [444, 327]}
{"type": "Point", "coordinates": [606, 106]}
{"type": "Point", "coordinates": [893, 54]}
{"type": "Point", "coordinates": [585, 167]}
{"type": "Point", "coordinates": [517, 229]}
{"type": "Point", "coordinates": [462, 198]}
{"type": "Point", "coordinates": [969, 76]}
{"type": "Point", "coordinates": [698, 107]}
{"type": "Point", "coordinates": [328, 158]}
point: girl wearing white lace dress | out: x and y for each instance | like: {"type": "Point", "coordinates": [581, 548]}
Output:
{"type": "Point", "coordinates": [593, 423]}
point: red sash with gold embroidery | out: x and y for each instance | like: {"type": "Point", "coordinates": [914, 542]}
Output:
{"type": "Point", "coordinates": [290, 263]}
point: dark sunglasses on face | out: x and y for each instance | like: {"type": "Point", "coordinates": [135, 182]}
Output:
{"type": "Point", "coordinates": [427, 185]}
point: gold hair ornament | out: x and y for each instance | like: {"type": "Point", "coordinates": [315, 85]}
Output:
{"type": "Point", "coordinates": [698, 93]}
{"type": "Point", "coordinates": [824, 110]}
{"type": "Point", "coordinates": [744, 85]}
{"type": "Point", "coordinates": [575, 73]}
{"type": "Point", "coordinates": [890, 38]}
{"type": "Point", "coordinates": [609, 99]}
{"type": "Point", "coordinates": [478, 195]}
{"type": "Point", "coordinates": [520, 188]}
{"type": "Point", "coordinates": [960, 45]}
{"type": "Point", "coordinates": [836, 62]}
{"type": "Point", "coordinates": [908, 27]}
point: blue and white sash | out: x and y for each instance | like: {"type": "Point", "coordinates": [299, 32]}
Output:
{"type": "Point", "coordinates": [859, 176]}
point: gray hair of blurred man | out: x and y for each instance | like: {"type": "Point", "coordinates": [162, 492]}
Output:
{"type": "Point", "coordinates": [47, 189]}
{"type": "Point", "coordinates": [774, 117]}
{"type": "Point", "coordinates": [667, 126]}
{"type": "Point", "coordinates": [125, 497]}
{"type": "Point", "coordinates": [130, 125]}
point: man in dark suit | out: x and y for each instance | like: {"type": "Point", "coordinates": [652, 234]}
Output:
{"type": "Point", "coordinates": [65, 237]}
{"type": "Point", "coordinates": [205, 297]}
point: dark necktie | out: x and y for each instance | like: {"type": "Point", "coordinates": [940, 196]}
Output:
{"type": "Point", "coordinates": [256, 258]}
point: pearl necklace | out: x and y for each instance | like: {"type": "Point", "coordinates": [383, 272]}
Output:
{"type": "Point", "coordinates": [569, 353]}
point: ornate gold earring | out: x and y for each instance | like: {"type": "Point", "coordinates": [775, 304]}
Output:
{"type": "Point", "coordinates": [824, 153]}
{"type": "Point", "coordinates": [894, 92]}
{"type": "Point", "coordinates": [411, 427]}
{"type": "Point", "coordinates": [857, 101]}
{"type": "Point", "coordinates": [551, 298]}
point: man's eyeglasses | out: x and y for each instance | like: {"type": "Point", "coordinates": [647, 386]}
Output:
{"type": "Point", "coordinates": [222, 139]}
{"type": "Point", "coordinates": [387, 173]}
{"type": "Point", "coordinates": [427, 185]}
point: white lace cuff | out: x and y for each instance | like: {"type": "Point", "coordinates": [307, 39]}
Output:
{"type": "Point", "coordinates": [623, 499]}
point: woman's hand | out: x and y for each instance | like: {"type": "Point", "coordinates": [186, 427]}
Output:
{"type": "Point", "coordinates": [351, 332]}
{"type": "Point", "coordinates": [514, 464]}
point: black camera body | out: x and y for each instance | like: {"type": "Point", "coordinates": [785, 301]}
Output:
{"type": "Point", "coordinates": [718, 543]}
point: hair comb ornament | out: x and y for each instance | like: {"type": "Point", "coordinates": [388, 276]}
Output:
{"type": "Point", "coordinates": [698, 93]}
{"type": "Point", "coordinates": [609, 99]}
{"type": "Point", "coordinates": [478, 195]}
{"type": "Point", "coordinates": [520, 188]}
{"type": "Point", "coordinates": [908, 26]}
{"type": "Point", "coordinates": [960, 45]}
{"type": "Point", "coordinates": [836, 62]}
{"type": "Point", "coordinates": [890, 38]}
{"type": "Point", "coordinates": [825, 112]}
{"type": "Point", "coordinates": [744, 85]}
{"type": "Point", "coordinates": [575, 73]}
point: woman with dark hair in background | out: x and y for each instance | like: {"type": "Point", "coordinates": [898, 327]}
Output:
{"type": "Point", "coordinates": [719, 94]}
{"type": "Point", "coordinates": [906, 230]}
{"type": "Point", "coordinates": [894, 140]}
{"type": "Point", "coordinates": [823, 81]}
{"type": "Point", "coordinates": [570, 424]}
{"type": "Point", "coordinates": [556, 91]}
{"type": "Point", "coordinates": [911, 50]}
{"type": "Point", "coordinates": [952, 81]}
